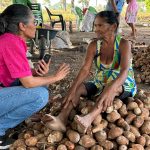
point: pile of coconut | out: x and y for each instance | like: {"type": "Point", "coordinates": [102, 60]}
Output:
{"type": "Point", "coordinates": [141, 60]}
{"type": "Point", "coordinates": [124, 126]}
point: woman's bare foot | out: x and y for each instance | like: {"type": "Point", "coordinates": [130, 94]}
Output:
{"type": "Point", "coordinates": [131, 38]}
{"type": "Point", "coordinates": [53, 123]}
{"type": "Point", "coordinates": [133, 34]}
{"type": "Point", "coordinates": [135, 31]}
{"type": "Point", "coordinates": [36, 117]}
{"type": "Point", "coordinates": [46, 118]}
{"type": "Point", "coordinates": [83, 122]}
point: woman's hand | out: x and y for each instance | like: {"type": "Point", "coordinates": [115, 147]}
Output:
{"type": "Point", "coordinates": [107, 97]}
{"type": "Point", "coordinates": [42, 68]}
{"type": "Point", "coordinates": [63, 70]}
{"type": "Point", "coordinates": [70, 98]}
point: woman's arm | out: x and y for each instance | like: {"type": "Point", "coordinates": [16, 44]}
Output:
{"type": "Point", "coordinates": [82, 75]}
{"type": "Point", "coordinates": [85, 69]}
{"type": "Point", "coordinates": [114, 6]}
{"type": "Point", "coordinates": [31, 81]}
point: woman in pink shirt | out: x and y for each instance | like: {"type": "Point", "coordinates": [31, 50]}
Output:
{"type": "Point", "coordinates": [21, 93]}
{"type": "Point", "coordinates": [130, 17]}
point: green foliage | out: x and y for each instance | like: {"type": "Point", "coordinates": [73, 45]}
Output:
{"type": "Point", "coordinates": [140, 0]}
{"type": "Point", "coordinates": [143, 17]}
{"type": "Point", "coordinates": [46, 2]}
{"type": "Point", "coordinates": [4, 4]}
{"type": "Point", "coordinates": [147, 2]}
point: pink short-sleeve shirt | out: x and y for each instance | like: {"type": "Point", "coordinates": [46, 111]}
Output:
{"type": "Point", "coordinates": [13, 61]}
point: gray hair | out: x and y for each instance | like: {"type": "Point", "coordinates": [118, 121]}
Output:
{"type": "Point", "coordinates": [12, 16]}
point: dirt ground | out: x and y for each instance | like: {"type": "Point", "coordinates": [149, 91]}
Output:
{"type": "Point", "coordinates": [75, 56]}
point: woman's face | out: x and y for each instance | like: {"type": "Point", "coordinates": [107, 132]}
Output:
{"type": "Point", "coordinates": [30, 28]}
{"type": "Point", "coordinates": [102, 28]}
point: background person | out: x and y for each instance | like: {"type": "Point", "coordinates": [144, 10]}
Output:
{"type": "Point", "coordinates": [116, 6]}
{"type": "Point", "coordinates": [131, 14]}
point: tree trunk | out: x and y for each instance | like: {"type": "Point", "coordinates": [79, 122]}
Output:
{"type": "Point", "coordinates": [72, 4]}
{"type": "Point", "coordinates": [64, 5]}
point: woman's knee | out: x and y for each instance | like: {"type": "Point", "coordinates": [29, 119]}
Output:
{"type": "Point", "coordinates": [42, 95]}
{"type": "Point", "coordinates": [82, 90]}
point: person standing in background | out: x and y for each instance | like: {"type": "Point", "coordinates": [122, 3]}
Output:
{"type": "Point", "coordinates": [116, 6]}
{"type": "Point", "coordinates": [130, 17]}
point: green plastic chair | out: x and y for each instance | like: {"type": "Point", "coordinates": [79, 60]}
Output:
{"type": "Point", "coordinates": [53, 22]}
{"type": "Point", "coordinates": [24, 2]}
{"type": "Point", "coordinates": [37, 11]}
{"type": "Point", "coordinates": [79, 13]}
{"type": "Point", "coordinates": [92, 10]}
